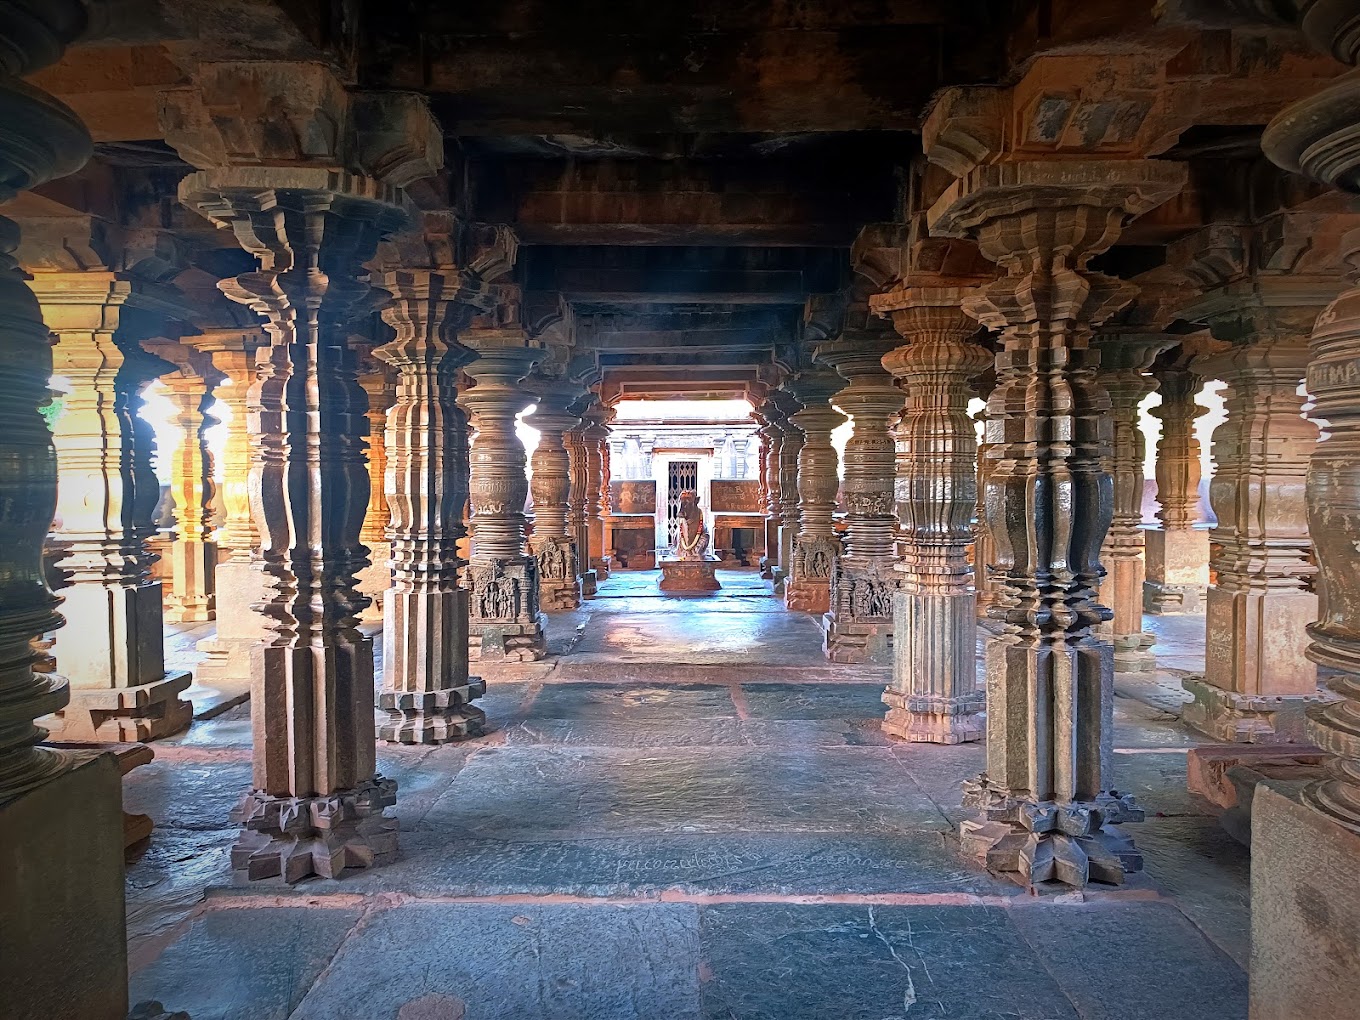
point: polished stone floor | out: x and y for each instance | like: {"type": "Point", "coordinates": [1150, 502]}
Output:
{"type": "Point", "coordinates": [685, 812]}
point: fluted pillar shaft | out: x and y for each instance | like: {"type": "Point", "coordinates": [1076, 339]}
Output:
{"type": "Point", "coordinates": [113, 652]}
{"type": "Point", "coordinates": [934, 696]}
{"type": "Point", "coordinates": [772, 431]}
{"type": "Point", "coordinates": [858, 625]}
{"type": "Point", "coordinates": [595, 439]}
{"type": "Point", "coordinates": [789, 512]}
{"type": "Point", "coordinates": [193, 554]}
{"type": "Point", "coordinates": [984, 550]}
{"type": "Point", "coordinates": [426, 690]}
{"type": "Point", "coordinates": [1049, 809]}
{"type": "Point", "coordinates": [578, 471]}
{"type": "Point", "coordinates": [1177, 551]}
{"type": "Point", "coordinates": [1262, 601]}
{"type": "Point", "coordinates": [317, 803]}
{"type": "Point", "coordinates": [552, 545]}
{"type": "Point", "coordinates": [379, 387]}
{"type": "Point", "coordinates": [816, 546]}
{"type": "Point", "coordinates": [1125, 358]}
{"type": "Point", "coordinates": [236, 577]}
{"type": "Point", "coordinates": [505, 618]}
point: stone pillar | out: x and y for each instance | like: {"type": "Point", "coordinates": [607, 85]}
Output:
{"type": "Point", "coordinates": [1050, 812]}
{"type": "Point", "coordinates": [237, 580]}
{"type": "Point", "coordinates": [859, 623]}
{"type": "Point", "coordinates": [380, 388]}
{"type": "Point", "coordinates": [578, 471]}
{"type": "Point", "coordinates": [1125, 357]}
{"type": "Point", "coordinates": [506, 622]}
{"type": "Point", "coordinates": [113, 652]}
{"type": "Point", "coordinates": [1177, 551]}
{"type": "Point", "coordinates": [789, 514]}
{"type": "Point", "coordinates": [595, 438]}
{"type": "Point", "coordinates": [772, 432]}
{"type": "Point", "coordinates": [426, 690]}
{"type": "Point", "coordinates": [552, 545]}
{"type": "Point", "coordinates": [308, 177]}
{"type": "Point", "coordinates": [934, 696]}
{"type": "Point", "coordinates": [193, 554]}
{"type": "Point", "coordinates": [62, 932]}
{"type": "Point", "coordinates": [984, 550]}
{"type": "Point", "coordinates": [1304, 906]}
{"type": "Point", "coordinates": [816, 546]}
{"type": "Point", "coordinates": [1257, 680]}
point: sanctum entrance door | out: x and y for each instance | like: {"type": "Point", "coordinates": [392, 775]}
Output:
{"type": "Point", "coordinates": [681, 476]}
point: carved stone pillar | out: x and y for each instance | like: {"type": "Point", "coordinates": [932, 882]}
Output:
{"type": "Point", "coordinates": [790, 447]}
{"type": "Point", "coordinates": [816, 546]}
{"type": "Point", "coordinates": [308, 177]}
{"type": "Point", "coordinates": [859, 623]}
{"type": "Point", "coordinates": [113, 652]}
{"type": "Point", "coordinates": [771, 438]}
{"type": "Point", "coordinates": [984, 550]}
{"type": "Point", "coordinates": [1125, 357]}
{"type": "Point", "coordinates": [426, 690]}
{"type": "Point", "coordinates": [379, 386]}
{"type": "Point", "coordinates": [1050, 812]}
{"type": "Point", "coordinates": [934, 696]}
{"type": "Point", "coordinates": [193, 554]}
{"type": "Point", "coordinates": [552, 545]}
{"type": "Point", "coordinates": [1177, 551]}
{"type": "Point", "coordinates": [1297, 925]}
{"type": "Point", "coordinates": [1257, 680]}
{"type": "Point", "coordinates": [61, 902]}
{"type": "Point", "coordinates": [595, 439]}
{"type": "Point", "coordinates": [237, 580]}
{"type": "Point", "coordinates": [506, 622]}
{"type": "Point", "coordinates": [578, 470]}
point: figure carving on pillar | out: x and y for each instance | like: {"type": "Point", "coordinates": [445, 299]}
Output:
{"type": "Point", "coordinates": [282, 162]}
{"type": "Point", "coordinates": [1050, 811]}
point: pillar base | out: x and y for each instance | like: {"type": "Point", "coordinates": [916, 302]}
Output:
{"type": "Point", "coordinates": [589, 584]}
{"type": "Point", "coordinates": [927, 720]}
{"type": "Point", "coordinates": [292, 838]}
{"type": "Point", "coordinates": [1162, 599]}
{"type": "Point", "coordinates": [559, 591]}
{"type": "Point", "coordinates": [1233, 718]}
{"type": "Point", "coordinates": [432, 717]}
{"type": "Point", "coordinates": [601, 565]}
{"type": "Point", "coordinates": [808, 595]}
{"type": "Point", "coordinates": [63, 940]}
{"type": "Point", "coordinates": [240, 628]}
{"type": "Point", "coordinates": [857, 641]}
{"type": "Point", "coordinates": [766, 569]}
{"type": "Point", "coordinates": [1133, 653]}
{"type": "Point", "coordinates": [688, 575]}
{"type": "Point", "coordinates": [559, 596]}
{"type": "Point", "coordinates": [127, 714]}
{"type": "Point", "coordinates": [511, 641]}
{"type": "Point", "coordinates": [1035, 842]}
{"type": "Point", "coordinates": [1305, 911]}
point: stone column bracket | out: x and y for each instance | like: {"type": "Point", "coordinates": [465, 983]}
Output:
{"type": "Point", "coordinates": [292, 838]}
{"type": "Point", "coordinates": [1033, 842]}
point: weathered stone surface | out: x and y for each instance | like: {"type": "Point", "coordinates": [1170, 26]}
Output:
{"type": "Point", "coordinates": [683, 575]}
{"type": "Point", "coordinates": [778, 962]}
{"type": "Point", "coordinates": [625, 962]}
{"type": "Point", "coordinates": [262, 962]}
{"type": "Point", "coordinates": [1305, 911]}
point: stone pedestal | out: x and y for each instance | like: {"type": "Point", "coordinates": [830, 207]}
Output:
{"type": "Point", "coordinates": [1178, 570]}
{"type": "Point", "coordinates": [1305, 912]}
{"type": "Point", "coordinates": [62, 929]}
{"type": "Point", "coordinates": [688, 575]}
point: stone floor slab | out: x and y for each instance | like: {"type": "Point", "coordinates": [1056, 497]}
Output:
{"type": "Point", "coordinates": [1134, 961]}
{"type": "Point", "coordinates": [525, 962]}
{"type": "Point", "coordinates": [246, 964]}
{"type": "Point", "coordinates": [787, 962]}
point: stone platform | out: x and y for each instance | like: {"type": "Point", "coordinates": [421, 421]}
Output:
{"type": "Point", "coordinates": [689, 575]}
